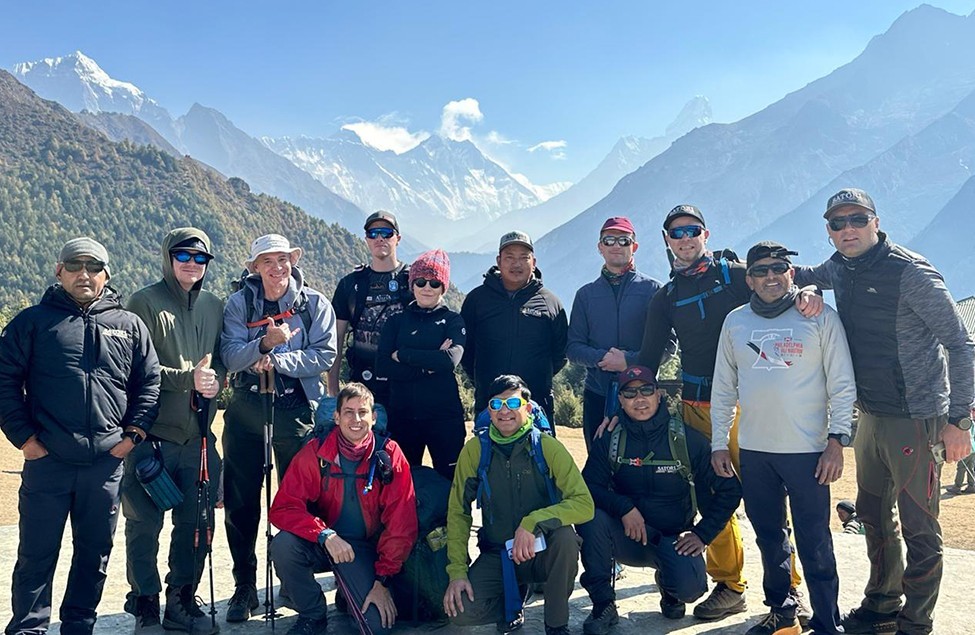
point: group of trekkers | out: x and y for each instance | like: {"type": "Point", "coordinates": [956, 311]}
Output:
{"type": "Point", "coordinates": [113, 404]}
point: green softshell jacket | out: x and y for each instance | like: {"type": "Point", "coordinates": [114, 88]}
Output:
{"type": "Point", "coordinates": [184, 327]}
{"type": "Point", "coordinates": [519, 497]}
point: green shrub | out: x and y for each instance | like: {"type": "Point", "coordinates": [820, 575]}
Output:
{"type": "Point", "coordinates": [568, 408]}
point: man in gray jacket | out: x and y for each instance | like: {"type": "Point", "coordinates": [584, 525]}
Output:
{"type": "Point", "coordinates": [900, 321]}
{"type": "Point", "coordinates": [793, 379]}
{"type": "Point", "coordinates": [274, 325]}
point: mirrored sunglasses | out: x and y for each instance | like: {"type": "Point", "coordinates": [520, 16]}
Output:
{"type": "Point", "coordinates": [838, 223]}
{"type": "Point", "coordinates": [646, 390]}
{"type": "Point", "coordinates": [513, 403]}
{"type": "Point", "coordinates": [380, 232]}
{"type": "Point", "coordinates": [693, 231]}
{"type": "Point", "coordinates": [186, 256]}
{"type": "Point", "coordinates": [91, 266]}
{"type": "Point", "coordinates": [422, 282]}
{"type": "Point", "coordinates": [760, 271]}
{"type": "Point", "coordinates": [622, 241]}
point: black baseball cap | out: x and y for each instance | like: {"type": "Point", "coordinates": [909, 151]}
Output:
{"type": "Point", "coordinates": [383, 216]}
{"type": "Point", "coordinates": [850, 196]}
{"type": "Point", "coordinates": [683, 210]}
{"type": "Point", "coordinates": [768, 249]}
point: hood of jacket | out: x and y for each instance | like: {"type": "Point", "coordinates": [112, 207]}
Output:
{"type": "Point", "coordinates": [56, 296]}
{"type": "Point", "coordinates": [169, 276]}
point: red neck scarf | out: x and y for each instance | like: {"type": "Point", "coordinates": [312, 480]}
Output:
{"type": "Point", "coordinates": [356, 451]}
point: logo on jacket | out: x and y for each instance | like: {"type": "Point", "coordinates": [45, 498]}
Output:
{"type": "Point", "coordinates": [441, 321]}
{"type": "Point", "coordinates": [527, 310]}
{"type": "Point", "coordinates": [776, 348]}
{"type": "Point", "coordinates": [116, 333]}
{"type": "Point", "coordinates": [393, 285]}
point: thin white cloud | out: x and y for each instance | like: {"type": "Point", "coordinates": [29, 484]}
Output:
{"type": "Point", "coordinates": [496, 138]}
{"type": "Point", "coordinates": [383, 136]}
{"type": "Point", "coordinates": [458, 113]}
{"type": "Point", "coordinates": [549, 146]}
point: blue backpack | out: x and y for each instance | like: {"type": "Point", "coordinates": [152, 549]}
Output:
{"type": "Point", "coordinates": [540, 425]}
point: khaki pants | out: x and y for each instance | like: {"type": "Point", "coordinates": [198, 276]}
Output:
{"type": "Point", "coordinates": [726, 553]}
{"type": "Point", "coordinates": [895, 466]}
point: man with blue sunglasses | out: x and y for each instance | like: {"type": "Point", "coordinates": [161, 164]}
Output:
{"type": "Point", "coordinates": [184, 321]}
{"type": "Point", "coordinates": [364, 300]}
{"type": "Point", "coordinates": [901, 322]}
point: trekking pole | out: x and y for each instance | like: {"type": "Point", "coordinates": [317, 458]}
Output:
{"type": "Point", "coordinates": [267, 389]}
{"type": "Point", "coordinates": [346, 591]}
{"type": "Point", "coordinates": [203, 503]}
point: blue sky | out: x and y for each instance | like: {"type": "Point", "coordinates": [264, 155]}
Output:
{"type": "Point", "coordinates": [573, 77]}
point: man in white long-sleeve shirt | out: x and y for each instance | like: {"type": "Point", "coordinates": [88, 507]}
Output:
{"type": "Point", "coordinates": [793, 378]}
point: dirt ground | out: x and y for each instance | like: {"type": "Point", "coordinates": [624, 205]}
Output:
{"type": "Point", "coordinates": [957, 512]}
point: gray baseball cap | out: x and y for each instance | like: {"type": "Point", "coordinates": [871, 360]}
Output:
{"type": "Point", "coordinates": [516, 238]}
{"type": "Point", "coordinates": [85, 246]}
{"type": "Point", "coordinates": [850, 196]}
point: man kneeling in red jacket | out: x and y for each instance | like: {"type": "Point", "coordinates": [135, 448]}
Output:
{"type": "Point", "coordinates": [348, 506]}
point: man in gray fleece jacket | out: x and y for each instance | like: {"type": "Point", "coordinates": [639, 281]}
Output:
{"type": "Point", "coordinates": [785, 370]}
{"type": "Point", "coordinates": [900, 321]}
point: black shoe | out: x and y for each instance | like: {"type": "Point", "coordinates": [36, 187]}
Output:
{"type": "Point", "coordinates": [557, 630]}
{"type": "Point", "coordinates": [722, 602]}
{"type": "Point", "coordinates": [670, 606]}
{"type": "Point", "coordinates": [145, 608]}
{"type": "Point", "coordinates": [775, 624]}
{"type": "Point", "coordinates": [242, 604]}
{"type": "Point", "coordinates": [603, 618]}
{"type": "Point", "coordinates": [513, 625]}
{"type": "Point", "coordinates": [308, 626]}
{"type": "Point", "coordinates": [866, 622]}
{"type": "Point", "coordinates": [183, 613]}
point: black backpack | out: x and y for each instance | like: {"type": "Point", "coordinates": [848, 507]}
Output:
{"type": "Point", "coordinates": [419, 589]}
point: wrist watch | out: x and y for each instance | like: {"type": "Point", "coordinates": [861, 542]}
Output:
{"type": "Point", "coordinates": [841, 438]}
{"type": "Point", "coordinates": [963, 423]}
{"type": "Point", "coordinates": [133, 436]}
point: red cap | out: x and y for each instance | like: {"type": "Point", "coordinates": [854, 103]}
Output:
{"type": "Point", "coordinates": [619, 223]}
{"type": "Point", "coordinates": [636, 372]}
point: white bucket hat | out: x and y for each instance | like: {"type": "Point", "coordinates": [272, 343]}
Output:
{"type": "Point", "coordinates": [272, 243]}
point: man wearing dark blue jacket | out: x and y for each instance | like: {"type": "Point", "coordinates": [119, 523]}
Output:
{"type": "Point", "coordinates": [645, 507]}
{"type": "Point", "coordinates": [79, 388]}
{"type": "Point", "coordinates": [607, 319]}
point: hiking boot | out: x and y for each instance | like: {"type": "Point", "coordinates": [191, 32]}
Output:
{"type": "Point", "coordinates": [557, 630]}
{"type": "Point", "coordinates": [803, 612]}
{"type": "Point", "coordinates": [145, 608]}
{"type": "Point", "coordinates": [242, 604]}
{"type": "Point", "coordinates": [954, 489]}
{"type": "Point", "coordinates": [513, 625]}
{"type": "Point", "coordinates": [603, 618]}
{"type": "Point", "coordinates": [722, 602]}
{"type": "Point", "coordinates": [183, 613]}
{"type": "Point", "coordinates": [308, 626]}
{"type": "Point", "coordinates": [864, 621]}
{"type": "Point", "coordinates": [775, 624]}
{"type": "Point", "coordinates": [670, 606]}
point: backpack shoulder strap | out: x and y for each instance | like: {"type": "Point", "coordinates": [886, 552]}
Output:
{"type": "Point", "coordinates": [678, 451]}
{"type": "Point", "coordinates": [248, 301]}
{"type": "Point", "coordinates": [360, 289]}
{"type": "Point", "coordinates": [483, 487]}
{"type": "Point", "coordinates": [403, 280]}
{"type": "Point", "coordinates": [301, 308]}
{"type": "Point", "coordinates": [617, 446]}
{"type": "Point", "coordinates": [539, 456]}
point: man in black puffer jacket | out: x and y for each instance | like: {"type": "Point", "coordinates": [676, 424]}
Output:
{"type": "Point", "coordinates": [644, 509]}
{"type": "Point", "coordinates": [79, 388]}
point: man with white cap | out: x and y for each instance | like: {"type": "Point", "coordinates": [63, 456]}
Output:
{"type": "Point", "coordinates": [79, 388]}
{"type": "Point", "coordinates": [274, 325]}
{"type": "Point", "coordinates": [515, 326]}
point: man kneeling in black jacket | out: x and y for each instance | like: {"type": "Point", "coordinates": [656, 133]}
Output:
{"type": "Point", "coordinates": [636, 475]}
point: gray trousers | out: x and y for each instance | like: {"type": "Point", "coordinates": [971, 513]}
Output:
{"type": "Point", "coordinates": [144, 521]}
{"type": "Point", "coordinates": [556, 568]}
{"type": "Point", "coordinates": [296, 562]}
{"type": "Point", "coordinates": [51, 491]}
{"type": "Point", "coordinates": [895, 466]}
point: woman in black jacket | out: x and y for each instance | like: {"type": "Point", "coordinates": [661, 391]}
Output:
{"type": "Point", "coordinates": [418, 351]}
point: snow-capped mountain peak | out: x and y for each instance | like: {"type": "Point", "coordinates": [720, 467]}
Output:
{"type": "Point", "coordinates": [694, 114]}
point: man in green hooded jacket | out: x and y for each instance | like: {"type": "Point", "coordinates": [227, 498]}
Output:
{"type": "Point", "coordinates": [184, 322]}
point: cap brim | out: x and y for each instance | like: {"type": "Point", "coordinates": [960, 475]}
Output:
{"type": "Point", "coordinates": [847, 204]}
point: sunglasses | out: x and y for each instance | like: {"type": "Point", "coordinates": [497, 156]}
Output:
{"type": "Point", "coordinates": [622, 241]}
{"type": "Point", "coordinates": [185, 256]}
{"type": "Point", "coordinates": [760, 271]}
{"type": "Point", "coordinates": [91, 266]}
{"type": "Point", "coordinates": [647, 390]}
{"type": "Point", "coordinates": [693, 231]}
{"type": "Point", "coordinates": [838, 223]}
{"type": "Point", "coordinates": [422, 282]}
{"type": "Point", "coordinates": [380, 232]}
{"type": "Point", "coordinates": [513, 403]}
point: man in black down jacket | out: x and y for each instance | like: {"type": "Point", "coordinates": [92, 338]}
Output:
{"type": "Point", "coordinates": [900, 321]}
{"type": "Point", "coordinates": [644, 513]}
{"type": "Point", "coordinates": [79, 386]}
{"type": "Point", "coordinates": [515, 326]}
